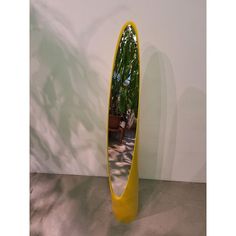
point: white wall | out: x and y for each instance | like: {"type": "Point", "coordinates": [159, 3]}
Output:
{"type": "Point", "coordinates": [72, 48]}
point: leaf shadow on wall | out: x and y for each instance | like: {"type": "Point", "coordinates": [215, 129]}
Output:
{"type": "Point", "coordinates": [158, 116]}
{"type": "Point", "coordinates": [67, 97]}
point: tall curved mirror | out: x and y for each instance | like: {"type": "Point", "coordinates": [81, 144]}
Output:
{"type": "Point", "coordinates": [123, 109]}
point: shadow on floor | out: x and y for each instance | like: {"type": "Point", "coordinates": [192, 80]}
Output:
{"type": "Point", "coordinates": [80, 205]}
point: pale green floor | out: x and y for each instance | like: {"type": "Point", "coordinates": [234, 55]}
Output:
{"type": "Point", "coordinates": [66, 205]}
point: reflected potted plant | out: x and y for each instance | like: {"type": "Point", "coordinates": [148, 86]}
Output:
{"type": "Point", "coordinates": [124, 88]}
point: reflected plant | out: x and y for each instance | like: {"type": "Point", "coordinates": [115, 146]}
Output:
{"type": "Point", "coordinates": [125, 83]}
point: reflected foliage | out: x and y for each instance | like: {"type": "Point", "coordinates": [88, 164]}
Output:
{"type": "Point", "coordinates": [125, 83]}
{"type": "Point", "coordinates": [123, 109]}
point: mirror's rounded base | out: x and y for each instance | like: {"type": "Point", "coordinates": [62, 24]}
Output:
{"type": "Point", "coordinates": [125, 209]}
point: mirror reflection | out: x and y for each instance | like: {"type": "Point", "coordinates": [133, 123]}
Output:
{"type": "Point", "coordinates": [123, 109]}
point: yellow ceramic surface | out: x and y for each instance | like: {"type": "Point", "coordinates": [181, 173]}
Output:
{"type": "Point", "coordinates": [125, 207]}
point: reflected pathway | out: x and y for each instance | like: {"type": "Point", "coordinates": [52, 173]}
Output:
{"type": "Point", "coordinates": [120, 159]}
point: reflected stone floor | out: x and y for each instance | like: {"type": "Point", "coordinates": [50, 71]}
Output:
{"type": "Point", "coordinates": [81, 206]}
{"type": "Point", "coordinates": [120, 159]}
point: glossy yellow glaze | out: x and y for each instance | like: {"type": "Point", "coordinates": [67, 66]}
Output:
{"type": "Point", "coordinates": [125, 207]}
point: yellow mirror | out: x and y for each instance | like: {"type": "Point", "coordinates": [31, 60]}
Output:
{"type": "Point", "coordinates": [123, 124]}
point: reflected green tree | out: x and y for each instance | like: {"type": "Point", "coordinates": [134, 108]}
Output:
{"type": "Point", "coordinates": [125, 82]}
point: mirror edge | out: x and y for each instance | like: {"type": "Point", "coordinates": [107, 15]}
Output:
{"type": "Point", "coordinates": [110, 83]}
{"type": "Point", "coordinates": [120, 213]}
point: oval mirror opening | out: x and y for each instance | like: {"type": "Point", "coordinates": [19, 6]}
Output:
{"type": "Point", "coordinates": [123, 109]}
